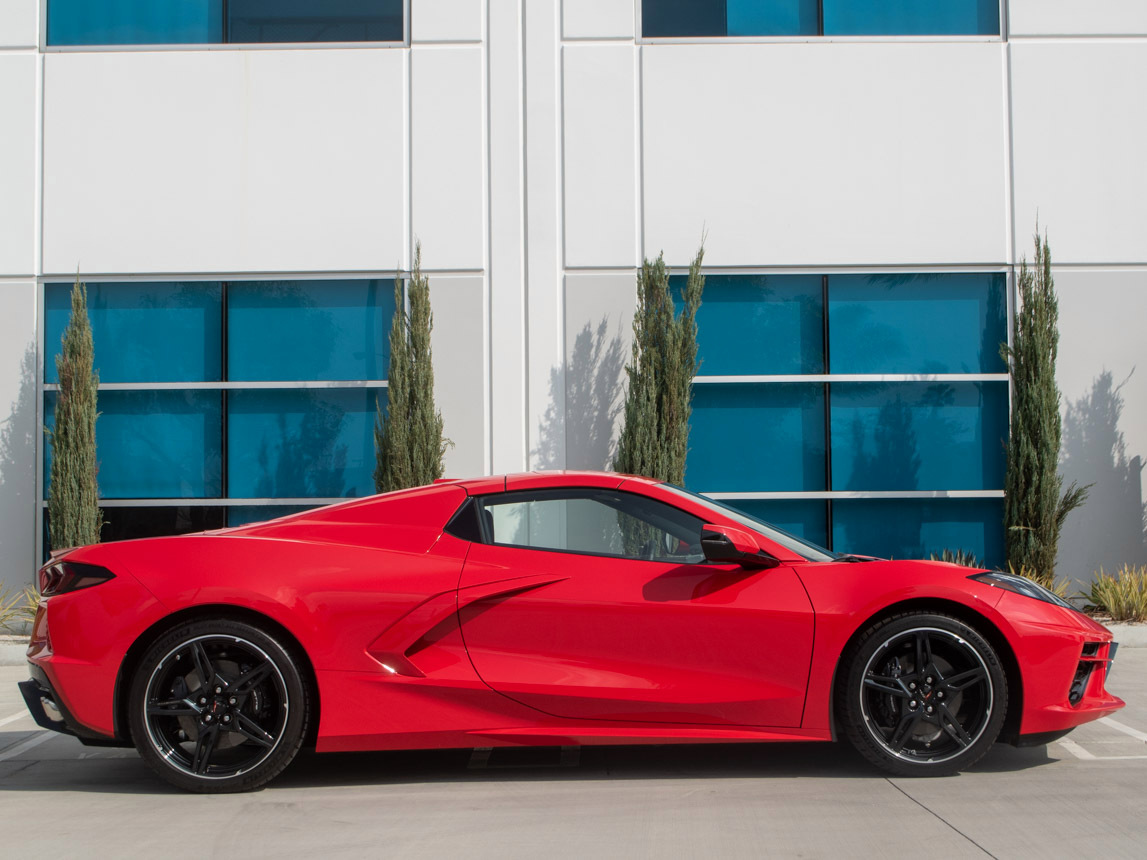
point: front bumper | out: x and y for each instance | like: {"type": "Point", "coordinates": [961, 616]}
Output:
{"type": "Point", "coordinates": [51, 713]}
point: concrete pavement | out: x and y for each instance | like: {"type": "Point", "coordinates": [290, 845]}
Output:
{"type": "Point", "coordinates": [1085, 797]}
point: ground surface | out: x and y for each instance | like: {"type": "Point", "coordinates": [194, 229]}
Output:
{"type": "Point", "coordinates": [1083, 798]}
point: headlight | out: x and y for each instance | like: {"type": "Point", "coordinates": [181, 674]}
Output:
{"type": "Point", "coordinates": [1020, 585]}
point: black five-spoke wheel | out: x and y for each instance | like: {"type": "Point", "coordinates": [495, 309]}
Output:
{"type": "Point", "coordinates": [218, 706]}
{"type": "Point", "coordinates": [922, 694]}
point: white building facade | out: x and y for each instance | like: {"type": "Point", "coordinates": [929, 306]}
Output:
{"type": "Point", "coordinates": [239, 183]}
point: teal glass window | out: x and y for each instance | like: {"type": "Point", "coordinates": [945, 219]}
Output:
{"type": "Point", "coordinates": [205, 22]}
{"type": "Point", "coordinates": [917, 528]}
{"type": "Point", "coordinates": [154, 444]}
{"type": "Point", "coordinates": [908, 323]}
{"type": "Point", "coordinates": [682, 18]}
{"type": "Point", "coordinates": [298, 443]}
{"type": "Point", "coordinates": [805, 518]}
{"type": "Point", "coordinates": [143, 332]}
{"type": "Point", "coordinates": [771, 18]}
{"type": "Point", "coordinates": [308, 330]}
{"type": "Point", "coordinates": [918, 436]}
{"type": "Point", "coordinates": [759, 324]}
{"type": "Point", "coordinates": [911, 18]}
{"type": "Point", "coordinates": [135, 22]}
{"type": "Point", "coordinates": [753, 437]}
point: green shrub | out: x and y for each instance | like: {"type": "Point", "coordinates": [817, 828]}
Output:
{"type": "Point", "coordinates": [960, 557]}
{"type": "Point", "coordinates": [18, 608]}
{"type": "Point", "coordinates": [1122, 596]}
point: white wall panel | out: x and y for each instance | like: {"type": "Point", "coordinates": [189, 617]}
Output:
{"type": "Point", "coordinates": [17, 163]}
{"type": "Point", "coordinates": [1100, 320]}
{"type": "Point", "coordinates": [19, 21]}
{"type": "Point", "coordinates": [446, 20]}
{"type": "Point", "coordinates": [447, 156]}
{"type": "Point", "coordinates": [600, 158]}
{"type": "Point", "coordinates": [224, 161]}
{"type": "Point", "coordinates": [18, 432]}
{"type": "Point", "coordinates": [599, 334]}
{"type": "Point", "coordinates": [825, 154]}
{"type": "Point", "coordinates": [1079, 123]}
{"type": "Point", "coordinates": [597, 19]}
{"type": "Point", "coordinates": [1071, 17]}
{"type": "Point", "coordinates": [458, 344]}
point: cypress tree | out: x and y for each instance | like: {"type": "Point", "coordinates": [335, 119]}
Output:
{"type": "Point", "coordinates": [408, 440]}
{"type": "Point", "coordinates": [1035, 502]}
{"type": "Point", "coordinates": [74, 514]}
{"type": "Point", "coordinates": [655, 438]}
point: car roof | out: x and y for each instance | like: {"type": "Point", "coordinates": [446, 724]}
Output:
{"type": "Point", "coordinates": [548, 479]}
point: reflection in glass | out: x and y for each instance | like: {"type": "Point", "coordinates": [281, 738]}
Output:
{"type": "Point", "coordinates": [315, 443]}
{"type": "Point", "coordinates": [141, 522]}
{"type": "Point", "coordinates": [756, 437]}
{"type": "Point", "coordinates": [904, 323]}
{"type": "Point", "coordinates": [918, 436]}
{"type": "Point", "coordinates": [911, 18]}
{"type": "Point", "coordinates": [241, 515]}
{"type": "Point", "coordinates": [154, 444]}
{"type": "Point", "coordinates": [314, 21]}
{"type": "Point", "coordinates": [916, 528]}
{"type": "Point", "coordinates": [772, 18]}
{"type": "Point", "coordinates": [143, 332]}
{"type": "Point", "coordinates": [805, 518]}
{"type": "Point", "coordinates": [759, 324]}
{"type": "Point", "coordinates": [134, 22]}
{"type": "Point", "coordinates": [309, 330]}
{"type": "Point", "coordinates": [682, 18]}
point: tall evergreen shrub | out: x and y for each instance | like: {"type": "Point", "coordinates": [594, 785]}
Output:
{"type": "Point", "coordinates": [408, 440]}
{"type": "Point", "coordinates": [655, 438]}
{"type": "Point", "coordinates": [74, 514]}
{"type": "Point", "coordinates": [1035, 502]}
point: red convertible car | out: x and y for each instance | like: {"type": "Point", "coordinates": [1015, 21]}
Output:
{"type": "Point", "coordinates": [538, 609]}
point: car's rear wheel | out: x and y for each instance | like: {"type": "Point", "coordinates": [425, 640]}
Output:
{"type": "Point", "coordinates": [218, 706]}
{"type": "Point", "coordinates": [922, 695]}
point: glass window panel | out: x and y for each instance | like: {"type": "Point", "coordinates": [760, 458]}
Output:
{"type": "Point", "coordinates": [309, 330]}
{"type": "Point", "coordinates": [134, 22]}
{"type": "Point", "coordinates": [682, 18]}
{"type": "Point", "coordinates": [917, 528]}
{"type": "Point", "coordinates": [905, 323]}
{"type": "Point", "coordinates": [772, 18]}
{"type": "Point", "coordinates": [141, 522]}
{"type": "Point", "coordinates": [911, 17]}
{"type": "Point", "coordinates": [918, 435]}
{"type": "Point", "coordinates": [805, 518]}
{"type": "Point", "coordinates": [759, 324]}
{"type": "Point", "coordinates": [240, 515]}
{"type": "Point", "coordinates": [143, 332]}
{"type": "Point", "coordinates": [746, 437]}
{"type": "Point", "coordinates": [315, 443]}
{"type": "Point", "coordinates": [154, 444]}
{"type": "Point", "coordinates": [314, 21]}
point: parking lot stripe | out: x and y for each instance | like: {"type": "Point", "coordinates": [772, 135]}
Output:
{"type": "Point", "coordinates": [1127, 730]}
{"type": "Point", "coordinates": [14, 717]}
{"type": "Point", "coordinates": [22, 748]}
{"type": "Point", "coordinates": [1075, 749]}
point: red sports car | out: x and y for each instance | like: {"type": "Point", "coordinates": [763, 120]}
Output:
{"type": "Point", "coordinates": [536, 609]}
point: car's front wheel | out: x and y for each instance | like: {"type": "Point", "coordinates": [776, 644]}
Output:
{"type": "Point", "coordinates": [218, 706]}
{"type": "Point", "coordinates": [922, 695]}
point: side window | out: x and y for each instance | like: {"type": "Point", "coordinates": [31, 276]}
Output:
{"type": "Point", "coordinates": [593, 522]}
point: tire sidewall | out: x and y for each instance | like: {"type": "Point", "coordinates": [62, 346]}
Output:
{"type": "Point", "coordinates": [853, 715]}
{"type": "Point", "coordinates": [294, 729]}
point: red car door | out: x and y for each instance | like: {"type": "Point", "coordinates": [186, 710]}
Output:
{"type": "Point", "coordinates": [618, 616]}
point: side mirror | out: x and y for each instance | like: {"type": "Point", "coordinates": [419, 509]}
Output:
{"type": "Point", "coordinates": [731, 545]}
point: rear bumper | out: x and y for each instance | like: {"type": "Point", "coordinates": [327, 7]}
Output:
{"type": "Point", "coordinates": [51, 713]}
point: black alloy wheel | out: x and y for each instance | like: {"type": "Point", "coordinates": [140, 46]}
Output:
{"type": "Point", "coordinates": [218, 706]}
{"type": "Point", "coordinates": [922, 695]}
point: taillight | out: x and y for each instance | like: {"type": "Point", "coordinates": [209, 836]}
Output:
{"type": "Point", "coordinates": [63, 576]}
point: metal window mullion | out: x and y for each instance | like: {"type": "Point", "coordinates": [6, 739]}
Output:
{"type": "Point", "coordinates": [827, 393]}
{"type": "Point", "coordinates": [224, 374]}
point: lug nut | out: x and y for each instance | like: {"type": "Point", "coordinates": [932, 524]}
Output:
{"type": "Point", "coordinates": [912, 704]}
{"type": "Point", "coordinates": [218, 690]}
{"type": "Point", "coordinates": [940, 695]}
{"type": "Point", "coordinates": [226, 718]}
{"type": "Point", "coordinates": [926, 681]}
{"type": "Point", "coordinates": [207, 718]}
{"type": "Point", "coordinates": [912, 686]}
{"type": "Point", "coordinates": [232, 700]}
{"type": "Point", "coordinates": [202, 700]}
{"type": "Point", "coordinates": [929, 709]}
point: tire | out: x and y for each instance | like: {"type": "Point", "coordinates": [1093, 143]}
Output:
{"type": "Point", "coordinates": [934, 722]}
{"type": "Point", "coordinates": [218, 706]}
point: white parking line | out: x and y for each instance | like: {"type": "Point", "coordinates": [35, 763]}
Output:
{"type": "Point", "coordinates": [1075, 749]}
{"type": "Point", "coordinates": [1115, 724]}
{"type": "Point", "coordinates": [14, 717]}
{"type": "Point", "coordinates": [22, 748]}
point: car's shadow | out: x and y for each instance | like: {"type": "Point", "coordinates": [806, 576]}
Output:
{"type": "Point", "coordinates": [122, 771]}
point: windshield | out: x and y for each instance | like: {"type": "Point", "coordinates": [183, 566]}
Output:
{"type": "Point", "coordinates": [806, 550]}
